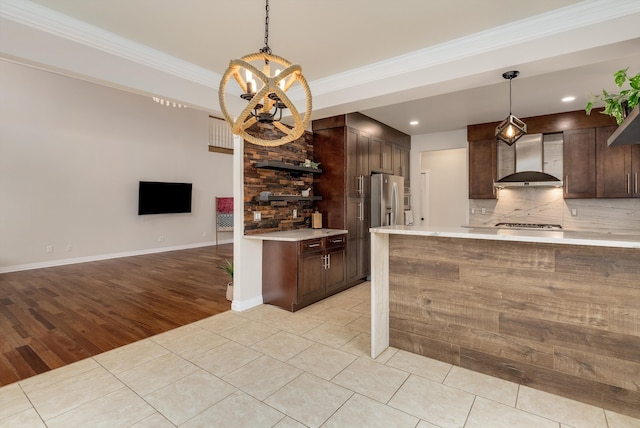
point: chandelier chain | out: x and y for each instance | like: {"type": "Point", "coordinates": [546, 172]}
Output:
{"type": "Point", "coordinates": [266, 48]}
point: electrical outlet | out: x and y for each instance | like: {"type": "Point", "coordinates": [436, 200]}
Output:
{"type": "Point", "coordinates": [295, 213]}
{"type": "Point", "coordinates": [256, 216]}
{"type": "Point", "coordinates": [473, 211]}
{"type": "Point", "coordinates": [483, 211]}
{"type": "Point", "coordinates": [574, 212]}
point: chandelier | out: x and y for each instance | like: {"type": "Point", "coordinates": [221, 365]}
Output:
{"type": "Point", "coordinates": [265, 93]}
{"type": "Point", "coordinates": [512, 128]}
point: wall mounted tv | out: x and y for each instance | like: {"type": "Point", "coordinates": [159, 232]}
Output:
{"type": "Point", "coordinates": [156, 197]}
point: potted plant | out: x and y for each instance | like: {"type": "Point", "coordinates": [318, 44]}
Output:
{"type": "Point", "coordinates": [227, 266]}
{"type": "Point", "coordinates": [618, 104]}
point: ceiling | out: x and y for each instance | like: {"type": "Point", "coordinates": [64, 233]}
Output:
{"type": "Point", "coordinates": [436, 62]}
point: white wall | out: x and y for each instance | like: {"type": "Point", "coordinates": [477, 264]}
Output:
{"type": "Point", "coordinates": [71, 156]}
{"type": "Point", "coordinates": [448, 167]}
{"type": "Point", "coordinates": [448, 197]}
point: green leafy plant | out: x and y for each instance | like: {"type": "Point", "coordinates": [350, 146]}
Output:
{"type": "Point", "coordinates": [227, 266]}
{"type": "Point", "coordinates": [615, 104]}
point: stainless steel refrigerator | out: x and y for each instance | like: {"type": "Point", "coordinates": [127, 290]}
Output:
{"type": "Point", "coordinates": [387, 200]}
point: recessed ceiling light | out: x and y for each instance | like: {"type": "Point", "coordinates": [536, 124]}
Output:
{"type": "Point", "coordinates": [568, 99]}
{"type": "Point", "coordinates": [414, 122]}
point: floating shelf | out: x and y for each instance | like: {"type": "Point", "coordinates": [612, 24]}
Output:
{"type": "Point", "coordinates": [629, 131]}
{"type": "Point", "coordinates": [286, 167]}
{"type": "Point", "coordinates": [287, 198]}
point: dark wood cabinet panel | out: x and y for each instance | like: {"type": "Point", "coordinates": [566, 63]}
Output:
{"type": "Point", "coordinates": [635, 171]}
{"type": "Point", "coordinates": [381, 155]}
{"type": "Point", "coordinates": [615, 177]}
{"type": "Point", "coordinates": [335, 272]}
{"type": "Point", "coordinates": [375, 154]}
{"type": "Point", "coordinates": [362, 162]}
{"type": "Point", "coordinates": [310, 281]}
{"type": "Point", "coordinates": [483, 158]}
{"type": "Point", "coordinates": [579, 152]}
{"type": "Point", "coordinates": [405, 166]}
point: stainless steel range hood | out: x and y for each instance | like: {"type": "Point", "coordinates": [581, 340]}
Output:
{"type": "Point", "coordinates": [533, 161]}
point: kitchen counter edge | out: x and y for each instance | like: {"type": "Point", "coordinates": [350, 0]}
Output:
{"type": "Point", "coordinates": [541, 236]}
{"type": "Point", "coordinates": [295, 235]}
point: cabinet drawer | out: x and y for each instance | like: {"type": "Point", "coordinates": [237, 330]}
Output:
{"type": "Point", "coordinates": [336, 241]}
{"type": "Point", "coordinates": [311, 245]}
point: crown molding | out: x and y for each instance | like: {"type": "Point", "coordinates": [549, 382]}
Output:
{"type": "Point", "coordinates": [55, 23]}
{"type": "Point", "coordinates": [510, 35]}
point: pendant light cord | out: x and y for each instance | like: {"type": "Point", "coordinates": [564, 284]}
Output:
{"type": "Point", "coordinates": [510, 95]}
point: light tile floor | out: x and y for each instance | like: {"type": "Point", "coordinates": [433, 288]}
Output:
{"type": "Point", "coordinates": [270, 368]}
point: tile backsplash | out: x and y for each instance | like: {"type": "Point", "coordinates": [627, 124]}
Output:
{"type": "Point", "coordinates": [546, 205]}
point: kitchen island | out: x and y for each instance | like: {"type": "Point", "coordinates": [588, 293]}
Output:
{"type": "Point", "coordinates": [557, 311]}
{"type": "Point", "coordinates": [302, 266]}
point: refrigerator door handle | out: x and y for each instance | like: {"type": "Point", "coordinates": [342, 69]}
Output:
{"type": "Point", "coordinates": [395, 204]}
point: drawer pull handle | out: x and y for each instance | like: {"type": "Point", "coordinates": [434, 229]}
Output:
{"type": "Point", "coordinates": [313, 245]}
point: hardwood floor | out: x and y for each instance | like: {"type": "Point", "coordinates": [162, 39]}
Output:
{"type": "Point", "coordinates": [56, 316]}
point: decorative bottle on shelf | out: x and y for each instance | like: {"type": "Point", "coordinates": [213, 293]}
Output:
{"type": "Point", "coordinates": [316, 220]}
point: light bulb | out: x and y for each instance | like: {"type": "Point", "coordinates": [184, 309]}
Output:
{"type": "Point", "coordinates": [510, 131]}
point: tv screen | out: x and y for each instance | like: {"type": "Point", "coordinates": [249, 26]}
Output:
{"type": "Point", "coordinates": [156, 197]}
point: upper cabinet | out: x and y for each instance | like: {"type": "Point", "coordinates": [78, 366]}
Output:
{"type": "Point", "coordinates": [618, 167]}
{"type": "Point", "coordinates": [402, 164]}
{"type": "Point", "coordinates": [580, 163]}
{"type": "Point", "coordinates": [582, 169]}
{"type": "Point", "coordinates": [483, 159]}
{"type": "Point", "coordinates": [381, 155]}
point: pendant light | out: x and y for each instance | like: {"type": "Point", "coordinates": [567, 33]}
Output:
{"type": "Point", "coordinates": [512, 128]}
{"type": "Point", "coordinates": [264, 88]}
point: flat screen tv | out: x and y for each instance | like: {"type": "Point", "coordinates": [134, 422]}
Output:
{"type": "Point", "coordinates": [156, 197]}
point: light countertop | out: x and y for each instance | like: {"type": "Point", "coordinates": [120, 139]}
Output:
{"type": "Point", "coordinates": [295, 235]}
{"type": "Point", "coordinates": [542, 236]}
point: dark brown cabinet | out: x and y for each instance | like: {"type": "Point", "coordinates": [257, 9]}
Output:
{"type": "Point", "coordinates": [401, 163]}
{"type": "Point", "coordinates": [579, 153]}
{"type": "Point", "coordinates": [297, 274]}
{"type": "Point", "coordinates": [381, 155]}
{"type": "Point", "coordinates": [348, 155]}
{"type": "Point", "coordinates": [617, 167]}
{"type": "Point", "coordinates": [483, 158]}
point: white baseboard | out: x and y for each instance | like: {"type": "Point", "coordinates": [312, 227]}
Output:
{"type": "Point", "coordinates": [62, 262]}
{"type": "Point", "coordinates": [246, 304]}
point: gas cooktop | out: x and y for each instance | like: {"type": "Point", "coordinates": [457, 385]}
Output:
{"type": "Point", "coordinates": [529, 226]}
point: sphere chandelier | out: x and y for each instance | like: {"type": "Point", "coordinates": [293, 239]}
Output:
{"type": "Point", "coordinates": [265, 93]}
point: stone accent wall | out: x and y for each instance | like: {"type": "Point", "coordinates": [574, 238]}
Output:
{"type": "Point", "coordinates": [276, 215]}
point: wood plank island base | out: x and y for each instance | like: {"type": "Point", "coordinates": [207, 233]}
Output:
{"type": "Point", "coordinates": [556, 311]}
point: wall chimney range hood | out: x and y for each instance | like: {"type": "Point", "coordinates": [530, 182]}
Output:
{"type": "Point", "coordinates": [534, 161]}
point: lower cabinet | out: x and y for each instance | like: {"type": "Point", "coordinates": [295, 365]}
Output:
{"type": "Point", "coordinates": [297, 274]}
